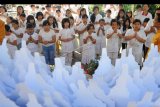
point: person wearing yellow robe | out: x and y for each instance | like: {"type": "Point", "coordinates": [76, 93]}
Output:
{"type": "Point", "coordinates": [2, 31]}
{"type": "Point", "coordinates": [156, 38]}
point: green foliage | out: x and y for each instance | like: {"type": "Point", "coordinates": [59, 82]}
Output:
{"type": "Point", "coordinates": [91, 67]}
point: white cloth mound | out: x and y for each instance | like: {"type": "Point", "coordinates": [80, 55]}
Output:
{"type": "Point", "coordinates": [26, 81]}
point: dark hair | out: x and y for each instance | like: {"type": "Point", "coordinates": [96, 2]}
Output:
{"type": "Point", "coordinates": [95, 7]}
{"type": "Point", "coordinates": [138, 6]}
{"type": "Point", "coordinates": [82, 9]}
{"type": "Point", "coordinates": [108, 11]}
{"type": "Point", "coordinates": [101, 20]}
{"type": "Point", "coordinates": [127, 14]}
{"type": "Point", "coordinates": [158, 14]}
{"type": "Point", "coordinates": [64, 20]}
{"type": "Point", "coordinates": [124, 24]}
{"type": "Point", "coordinates": [93, 18]}
{"type": "Point", "coordinates": [39, 14]}
{"type": "Point", "coordinates": [48, 5]}
{"type": "Point", "coordinates": [15, 21]}
{"type": "Point", "coordinates": [11, 18]}
{"type": "Point", "coordinates": [114, 20]}
{"type": "Point", "coordinates": [146, 4]}
{"type": "Point", "coordinates": [89, 26]}
{"type": "Point", "coordinates": [136, 20]}
{"type": "Point", "coordinates": [4, 8]}
{"type": "Point", "coordinates": [22, 9]}
{"type": "Point", "coordinates": [58, 11]}
{"type": "Point", "coordinates": [55, 24]}
{"type": "Point", "coordinates": [146, 20]}
{"type": "Point", "coordinates": [32, 5]}
{"type": "Point", "coordinates": [71, 18]}
{"type": "Point", "coordinates": [31, 17]}
{"type": "Point", "coordinates": [84, 16]}
{"type": "Point", "coordinates": [45, 22]}
{"type": "Point", "coordinates": [29, 25]}
{"type": "Point", "coordinates": [68, 10]}
{"type": "Point", "coordinates": [118, 16]}
{"type": "Point", "coordinates": [7, 28]}
{"type": "Point", "coordinates": [23, 15]}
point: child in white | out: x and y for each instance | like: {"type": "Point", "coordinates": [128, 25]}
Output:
{"type": "Point", "coordinates": [11, 41]}
{"type": "Point", "coordinates": [100, 39]}
{"type": "Point", "coordinates": [31, 39]}
{"type": "Point", "coordinates": [113, 36]}
{"type": "Point", "coordinates": [136, 38]}
{"type": "Point", "coordinates": [81, 28]}
{"type": "Point", "coordinates": [18, 32]}
{"type": "Point", "coordinates": [66, 36]}
{"type": "Point", "coordinates": [150, 32]}
{"type": "Point", "coordinates": [48, 38]}
{"type": "Point", "coordinates": [108, 19]}
{"type": "Point", "coordinates": [88, 52]}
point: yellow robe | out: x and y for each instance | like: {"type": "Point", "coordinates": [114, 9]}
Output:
{"type": "Point", "coordinates": [2, 31]}
{"type": "Point", "coordinates": [156, 40]}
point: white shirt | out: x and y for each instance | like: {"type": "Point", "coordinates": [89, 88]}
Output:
{"type": "Point", "coordinates": [134, 42]}
{"type": "Point", "coordinates": [47, 36]}
{"type": "Point", "coordinates": [113, 41]}
{"type": "Point", "coordinates": [67, 33]}
{"type": "Point", "coordinates": [107, 20]}
{"type": "Point", "coordinates": [81, 27]}
{"type": "Point", "coordinates": [98, 17]}
{"type": "Point", "coordinates": [31, 46]}
{"type": "Point", "coordinates": [150, 35]}
{"type": "Point", "coordinates": [38, 23]}
{"type": "Point", "coordinates": [18, 32]}
{"type": "Point", "coordinates": [142, 17]}
{"type": "Point", "coordinates": [11, 37]}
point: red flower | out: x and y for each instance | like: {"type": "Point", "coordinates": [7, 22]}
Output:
{"type": "Point", "coordinates": [86, 71]}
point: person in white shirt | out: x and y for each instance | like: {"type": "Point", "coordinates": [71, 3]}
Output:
{"type": "Point", "coordinates": [95, 17]}
{"type": "Point", "coordinates": [66, 36]}
{"type": "Point", "coordinates": [113, 35]}
{"type": "Point", "coordinates": [56, 26]}
{"type": "Point", "coordinates": [108, 17]}
{"type": "Point", "coordinates": [11, 41]}
{"type": "Point", "coordinates": [100, 39]}
{"type": "Point", "coordinates": [68, 13]}
{"type": "Point", "coordinates": [18, 32]}
{"type": "Point", "coordinates": [136, 38]}
{"type": "Point", "coordinates": [39, 20]}
{"type": "Point", "coordinates": [145, 14]}
{"type": "Point", "coordinates": [33, 10]}
{"type": "Point", "coordinates": [9, 21]}
{"type": "Point", "coordinates": [22, 21]}
{"type": "Point", "coordinates": [81, 28]}
{"type": "Point", "coordinates": [59, 15]}
{"type": "Point", "coordinates": [150, 32]}
{"type": "Point", "coordinates": [48, 38]}
{"type": "Point", "coordinates": [31, 39]}
{"type": "Point", "coordinates": [20, 10]}
{"type": "Point", "coordinates": [82, 12]}
{"type": "Point", "coordinates": [73, 27]}
{"type": "Point", "coordinates": [89, 40]}
{"type": "Point", "coordinates": [126, 26]}
{"type": "Point", "coordinates": [48, 11]}
{"type": "Point", "coordinates": [31, 20]}
{"type": "Point", "coordinates": [138, 11]}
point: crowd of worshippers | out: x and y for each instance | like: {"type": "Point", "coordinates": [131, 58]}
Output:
{"type": "Point", "coordinates": [59, 32]}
